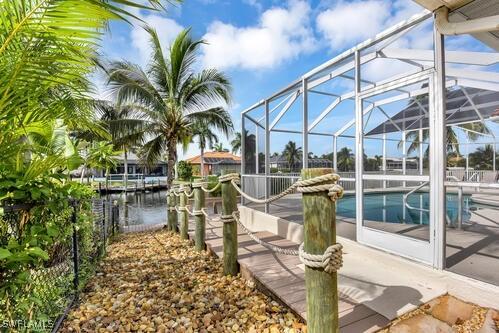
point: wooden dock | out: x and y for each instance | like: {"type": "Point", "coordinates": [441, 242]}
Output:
{"type": "Point", "coordinates": [283, 278]}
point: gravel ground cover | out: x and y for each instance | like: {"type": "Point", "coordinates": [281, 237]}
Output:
{"type": "Point", "coordinates": [156, 282]}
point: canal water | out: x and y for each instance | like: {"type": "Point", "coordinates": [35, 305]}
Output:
{"type": "Point", "coordinates": [141, 207]}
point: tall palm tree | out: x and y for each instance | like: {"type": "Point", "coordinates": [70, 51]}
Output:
{"type": "Point", "coordinates": [203, 132]}
{"type": "Point", "coordinates": [171, 96]}
{"type": "Point", "coordinates": [482, 158]}
{"type": "Point", "coordinates": [236, 143]}
{"type": "Point", "coordinates": [125, 128]}
{"type": "Point", "coordinates": [345, 159]}
{"type": "Point", "coordinates": [292, 154]}
{"type": "Point", "coordinates": [103, 156]}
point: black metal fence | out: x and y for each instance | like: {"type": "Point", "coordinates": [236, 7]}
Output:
{"type": "Point", "coordinates": [36, 296]}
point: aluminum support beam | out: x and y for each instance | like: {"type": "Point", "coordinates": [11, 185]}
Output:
{"type": "Point", "coordinates": [305, 124]}
{"type": "Point", "coordinates": [284, 109]}
{"type": "Point", "coordinates": [335, 153]}
{"type": "Point", "coordinates": [438, 216]}
{"type": "Point", "coordinates": [421, 151]}
{"type": "Point", "coordinates": [243, 153]}
{"type": "Point", "coordinates": [267, 154]}
{"type": "Point", "coordinates": [359, 151]}
{"type": "Point", "coordinates": [456, 57]}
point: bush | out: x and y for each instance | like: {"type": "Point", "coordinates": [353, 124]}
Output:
{"type": "Point", "coordinates": [212, 182]}
{"type": "Point", "coordinates": [184, 170]}
{"type": "Point", "coordinates": [35, 245]}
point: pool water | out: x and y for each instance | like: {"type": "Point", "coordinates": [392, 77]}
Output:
{"type": "Point", "coordinates": [390, 207]}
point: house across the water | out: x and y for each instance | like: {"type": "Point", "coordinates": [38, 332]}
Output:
{"type": "Point", "coordinates": [215, 162]}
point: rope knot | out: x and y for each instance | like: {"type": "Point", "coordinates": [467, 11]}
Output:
{"type": "Point", "coordinates": [316, 185]}
{"type": "Point", "coordinates": [229, 218]}
{"type": "Point", "coordinates": [228, 177]}
{"type": "Point", "coordinates": [331, 260]}
{"type": "Point", "coordinates": [198, 185]}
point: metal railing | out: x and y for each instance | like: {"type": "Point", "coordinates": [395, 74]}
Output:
{"type": "Point", "coordinates": [406, 195]}
{"type": "Point", "coordinates": [57, 280]}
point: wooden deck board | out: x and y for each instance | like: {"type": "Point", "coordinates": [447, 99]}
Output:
{"type": "Point", "coordinates": [280, 276]}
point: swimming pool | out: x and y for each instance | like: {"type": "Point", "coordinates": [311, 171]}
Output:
{"type": "Point", "coordinates": [389, 207]}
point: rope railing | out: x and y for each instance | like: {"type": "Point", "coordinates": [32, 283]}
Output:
{"type": "Point", "coordinates": [319, 194]}
{"type": "Point", "coordinates": [330, 260]}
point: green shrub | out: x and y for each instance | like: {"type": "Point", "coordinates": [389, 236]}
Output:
{"type": "Point", "coordinates": [184, 170]}
{"type": "Point", "coordinates": [35, 245]}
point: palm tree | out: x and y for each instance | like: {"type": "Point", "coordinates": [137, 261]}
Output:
{"type": "Point", "coordinates": [103, 156]}
{"type": "Point", "coordinates": [236, 143]}
{"type": "Point", "coordinates": [47, 52]}
{"type": "Point", "coordinates": [345, 159]}
{"type": "Point", "coordinates": [125, 128]}
{"type": "Point", "coordinates": [292, 154]}
{"type": "Point", "coordinates": [471, 130]}
{"type": "Point", "coordinates": [482, 158]}
{"type": "Point", "coordinates": [202, 130]}
{"type": "Point", "coordinates": [219, 147]}
{"type": "Point", "coordinates": [171, 96]}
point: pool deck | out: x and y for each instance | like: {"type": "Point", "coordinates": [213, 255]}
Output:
{"type": "Point", "coordinates": [471, 251]}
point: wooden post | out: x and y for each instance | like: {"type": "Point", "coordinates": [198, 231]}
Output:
{"type": "Point", "coordinates": [319, 218]}
{"type": "Point", "coordinates": [200, 219]}
{"type": "Point", "coordinates": [174, 201]}
{"type": "Point", "coordinates": [172, 213]}
{"type": "Point", "coordinates": [229, 205]}
{"type": "Point", "coordinates": [183, 216]}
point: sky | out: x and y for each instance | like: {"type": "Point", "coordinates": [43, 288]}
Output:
{"type": "Point", "coordinates": [262, 45]}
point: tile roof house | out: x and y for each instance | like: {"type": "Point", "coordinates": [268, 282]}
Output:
{"type": "Point", "coordinates": [215, 162]}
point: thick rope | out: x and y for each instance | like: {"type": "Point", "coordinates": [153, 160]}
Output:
{"type": "Point", "coordinates": [272, 247]}
{"type": "Point", "coordinates": [331, 260]}
{"type": "Point", "coordinates": [213, 189]}
{"type": "Point", "coordinates": [312, 185]}
{"type": "Point", "coordinates": [227, 218]}
{"type": "Point", "coordinates": [180, 209]}
{"type": "Point", "coordinates": [189, 194]}
{"type": "Point", "coordinates": [194, 212]}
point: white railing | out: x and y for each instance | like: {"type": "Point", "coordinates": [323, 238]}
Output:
{"type": "Point", "coordinates": [473, 176]}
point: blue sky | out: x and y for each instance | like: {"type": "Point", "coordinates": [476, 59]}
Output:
{"type": "Point", "coordinates": [261, 45]}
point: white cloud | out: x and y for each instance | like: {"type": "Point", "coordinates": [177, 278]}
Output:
{"type": "Point", "coordinates": [166, 28]}
{"type": "Point", "coordinates": [281, 34]}
{"type": "Point", "coordinates": [254, 3]}
{"type": "Point", "coordinates": [348, 23]}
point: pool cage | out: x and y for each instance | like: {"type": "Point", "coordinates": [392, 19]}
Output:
{"type": "Point", "coordinates": [401, 114]}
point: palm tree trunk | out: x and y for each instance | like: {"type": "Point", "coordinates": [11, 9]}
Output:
{"type": "Point", "coordinates": [202, 162]}
{"type": "Point", "coordinates": [107, 180]}
{"type": "Point", "coordinates": [172, 160]}
{"type": "Point", "coordinates": [125, 165]}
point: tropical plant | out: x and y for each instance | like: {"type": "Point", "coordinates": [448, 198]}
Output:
{"type": "Point", "coordinates": [236, 143]}
{"type": "Point", "coordinates": [124, 127]}
{"type": "Point", "coordinates": [206, 137]}
{"type": "Point", "coordinates": [219, 147]}
{"type": "Point", "coordinates": [345, 159]}
{"type": "Point", "coordinates": [171, 96]}
{"type": "Point", "coordinates": [472, 131]}
{"type": "Point", "coordinates": [103, 156]}
{"type": "Point", "coordinates": [47, 52]}
{"type": "Point", "coordinates": [184, 170]}
{"type": "Point", "coordinates": [482, 158]}
{"type": "Point", "coordinates": [292, 154]}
